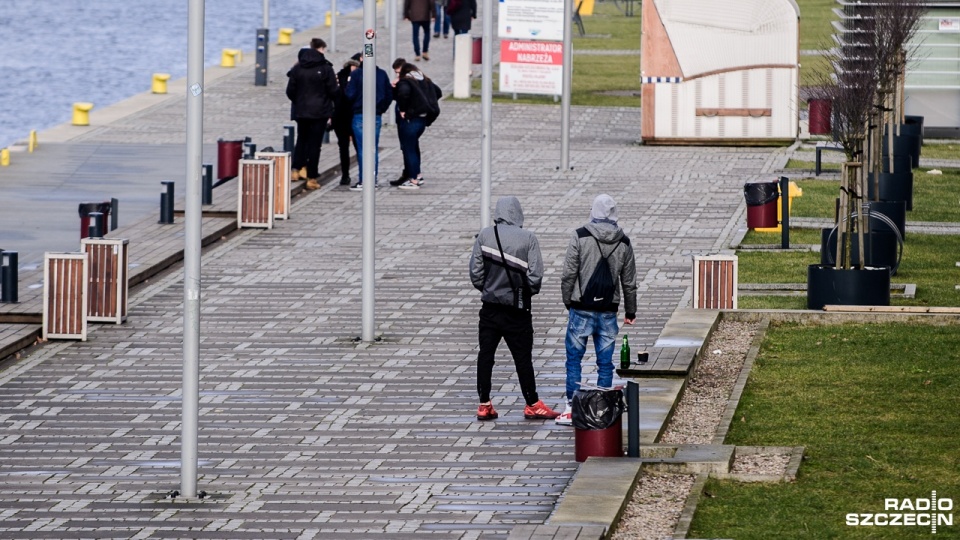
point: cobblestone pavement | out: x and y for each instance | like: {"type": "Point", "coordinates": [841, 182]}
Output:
{"type": "Point", "coordinates": [305, 433]}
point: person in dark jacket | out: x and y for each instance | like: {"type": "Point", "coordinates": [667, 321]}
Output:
{"type": "Point", "coordinates": [312, 88]}
{"type": "Point", "coordinates": [419, 13]}
{"type": "Point", "coordinates": [461, 19]}
{"type": "Point", "coordinates": [600, 239]}
{"type": "Point", "coordinates": [343, 119]}
{"type": "Point", "coordinates": [501, 280]}
{"type": "Point", "coordinates": [415, 95]}
{"type": "Point", "coordinates": [354, 93]}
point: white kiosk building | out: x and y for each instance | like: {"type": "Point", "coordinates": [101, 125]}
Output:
{"type": "Point", "coordinates": [720, 71]}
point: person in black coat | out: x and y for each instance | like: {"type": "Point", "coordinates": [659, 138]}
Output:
{"type": "Point", "coordinates": [343, 119]}
{"type": "Point", "coordinates": [313, 90]}
{"type": "Point", "coordinates": [462, 16]}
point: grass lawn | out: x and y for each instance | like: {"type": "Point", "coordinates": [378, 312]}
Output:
{"type": "Point", "coordinates": [873, 406]}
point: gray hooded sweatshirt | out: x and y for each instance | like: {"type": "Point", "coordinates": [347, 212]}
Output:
{"type": "Point", "coordinates": [583, 254]}
{"type": "Point", "coordinates": [520, 248]}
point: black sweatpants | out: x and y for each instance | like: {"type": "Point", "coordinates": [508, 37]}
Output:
{"type": "Point", "coordinates": [306, 153]}
{"type": "Point", "coordinates": [516, 328]}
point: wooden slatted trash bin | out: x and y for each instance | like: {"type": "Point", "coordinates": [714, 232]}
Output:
{"type": "Point", "coordinates": [65, 296]}
{"type": "Point", "coordinates": [108, 279]}
{"type": "Point", "coordinates": [255, 205]}
{"type": "Point", "coordinates": [281, 182]}
{"type": "Point", "coordinates": [715, 282]}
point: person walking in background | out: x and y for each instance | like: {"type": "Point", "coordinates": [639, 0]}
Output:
{"type": "Point", "coordinates": [599, 264]}
{"type": "Point", "coordinates": [384, 98]}
{"type": "Point", "coordinates": [507, 269]}
{"type": "Point", "coordinates": [462, 13]}
{"type": "Point", "coordinates": [343, 119]}
{"type": "Point", "coordinates": [419, 12]}
{"type": "Point", "coordinates": [417, 100]}
{"type": "Point", "coordinates": [397, 64]}
{"type": "Point", "coordinates": [313, 90]}
{"type": "Point", "coordinates": [441, 15]}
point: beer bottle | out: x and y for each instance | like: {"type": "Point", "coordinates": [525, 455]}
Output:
{"type": "Point", "coordinates": [625, 354]}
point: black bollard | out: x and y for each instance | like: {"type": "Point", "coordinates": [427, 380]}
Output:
{"type": "Point", "coordinates": [633, 419]}
{"type": "Point", "coordinates": [114, 213]}
{"type": "Point", "coordinates": [8, 277]}
{"type": "Point", "coordinates": [207, 184]}
{"type": "Point", "coordinates": [166, 203]}
{"type": "Point", "coordinates": [784, 212]}
{"type": "Point", "coordinates": [95, 228]}
{"type": "Point", "coordinates": [289, 138]}
{"type": "Point", "coordinates": [250, 150]}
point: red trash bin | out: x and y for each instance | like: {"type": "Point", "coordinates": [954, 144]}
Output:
{"type": "Point", "coordinates": [820, 111]}
{"type": "Point", "coordinates": [86, 209]}
{"type": "Point", "coordinates": [477, 49]}
{"type": "Point", "coordinates": [598, 442]}
{"type": "Point", "coordinates": [762, 199]}
{"type": "Point", "coordinates": [228, 158]}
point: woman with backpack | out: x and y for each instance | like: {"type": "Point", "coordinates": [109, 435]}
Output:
{"type": "Point", "coordinates": [418, 104]}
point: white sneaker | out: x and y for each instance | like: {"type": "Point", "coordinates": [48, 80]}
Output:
{"type": "Point", "coordinates": [566, 417]}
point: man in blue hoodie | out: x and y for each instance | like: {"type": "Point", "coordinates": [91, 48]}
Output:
{"type": "Point", "coordinates": [354, 93]}
{"type": "Point", "coordinates": [506, 267]}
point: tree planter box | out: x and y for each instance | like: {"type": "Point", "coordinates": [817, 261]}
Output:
{"type": "Point", "coordinates": [107, 284]}
{"type": "Point", "coordinates": [854, 287]}
{"type": "Point", "coordinates": [255, 205]}
{"type": "Point", "coordinates": [65, 296]}
{"type": "Point", "coordinates": [281, 182]}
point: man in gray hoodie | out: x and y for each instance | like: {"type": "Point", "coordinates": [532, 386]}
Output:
{"type": "Point", "coordinates": [595, 315]}
{"type": "Point", "coordinates": [507, 268]}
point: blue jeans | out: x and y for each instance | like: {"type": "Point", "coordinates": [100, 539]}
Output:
{"type": "Point", "coordinates": [358, 139]}
{"type": "Point", "coordinates": [409, 131]}
{"type": "Point", "coordinates": [417, 25]}
{"type": "Point", "coordinates": [603, 328]}
{"type": "Point", "coordinates": [446, 21]}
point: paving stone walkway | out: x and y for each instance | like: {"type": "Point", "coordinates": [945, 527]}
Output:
{"type": "Point", "coordinates": [304, 432]}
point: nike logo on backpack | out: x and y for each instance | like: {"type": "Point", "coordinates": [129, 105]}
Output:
{"type": "Point", "coordinates": [595, 299]}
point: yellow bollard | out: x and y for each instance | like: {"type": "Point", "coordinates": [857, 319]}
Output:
{"type": "Point", "coordinates": [231, 57]}
{"type": "Point", "coordinates": [32, 142]}
{"type": "Point", "coordinates": [4, 158]}
{"type": "Point", "coordinates": [794, 191]}
{"type": "Point", "coordinates": [159, 85]}
{"type": "Point", "coordinates": [327, 21]}
{"type": "Point", "coordinates": [81, 113]}
{"type": "Point", "coordinates": [283, 38]}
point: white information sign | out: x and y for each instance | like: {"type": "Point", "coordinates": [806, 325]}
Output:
{"type": "Point", "coordinates": [531, 19]}
{"type": "Point", "coordinates": [949, 24]}
{"type": "Point", "coordinates": [531, 67]}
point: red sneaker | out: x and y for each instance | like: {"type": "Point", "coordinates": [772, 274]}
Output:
{"type": "Point", "coordinates": [486, 412]}
{"type": "Point", "coordinates": [539, 411]}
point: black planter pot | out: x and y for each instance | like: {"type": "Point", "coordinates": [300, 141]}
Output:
{"type": "Point", "coordinates": [893, 187]}
{"type": "Point", "coordinates": [854, 287]}
{"type": "Point", "coordinates": [902, 163]}
{"type": "Point", "coordinates": [907, 143]}
{"type": "Point", "coordinates": [880, 249]}
{"type": "Point", "coordinates": [895, 210]}
{"type": "Point", "coordinates": [914, 126]}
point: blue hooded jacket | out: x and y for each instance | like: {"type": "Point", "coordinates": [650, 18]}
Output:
{"type": "Point", "coordinates": [354, 91]}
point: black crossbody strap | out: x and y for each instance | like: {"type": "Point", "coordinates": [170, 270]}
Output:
{"type": "Point", "coordinates": [503, 259]}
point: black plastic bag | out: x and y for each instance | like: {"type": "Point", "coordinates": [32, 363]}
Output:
{"type": "Point", "coordinates": [760, 193]}
{"type": "Point", "coordinates": [597, 409]}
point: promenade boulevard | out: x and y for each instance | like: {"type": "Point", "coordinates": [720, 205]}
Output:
{"type": "Point", "coordinates": [305, 432]}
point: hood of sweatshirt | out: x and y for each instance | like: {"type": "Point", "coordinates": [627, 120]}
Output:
{"type": "Point", "coordinates": [508, 212]}
{"type": "Point", "coordinates": [311, 58]}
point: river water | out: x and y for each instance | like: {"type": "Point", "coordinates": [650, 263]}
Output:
{"type": "Point", "coordinates": [57, 52]}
